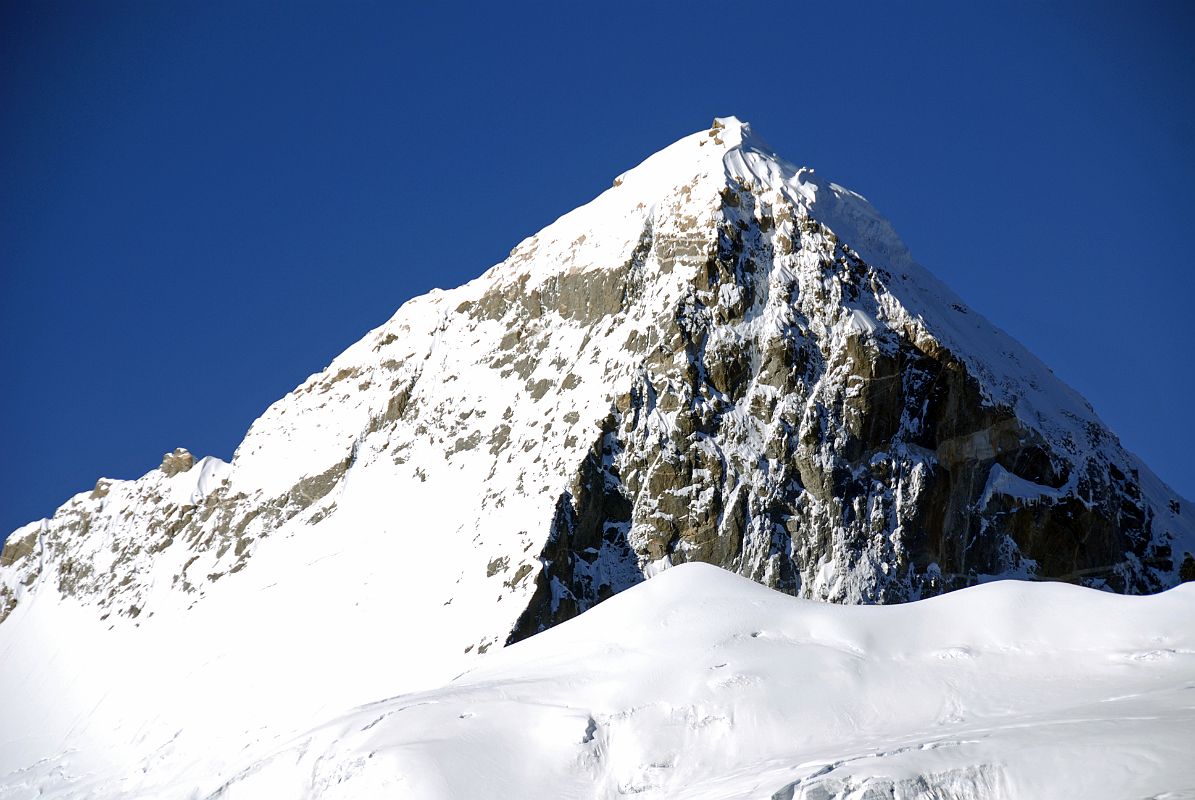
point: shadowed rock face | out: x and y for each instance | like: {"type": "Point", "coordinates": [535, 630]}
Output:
{"type": "Point", "coordinates": [837, 455]}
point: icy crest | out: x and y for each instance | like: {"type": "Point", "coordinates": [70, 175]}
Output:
{"type": "Point", "coordinates": [703, 163]}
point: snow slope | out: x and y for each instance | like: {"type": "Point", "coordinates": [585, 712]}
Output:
{"type": "Point", "coordinates": [701, 684]}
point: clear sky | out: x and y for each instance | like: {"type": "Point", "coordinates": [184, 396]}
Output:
{"type": "Point", "coordinates": [202, 203]}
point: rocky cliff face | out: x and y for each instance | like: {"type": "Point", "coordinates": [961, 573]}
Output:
{"type": "Point", "coordinates": [817, 413]}
{"type": "Point", "coordinates": [722, 359]}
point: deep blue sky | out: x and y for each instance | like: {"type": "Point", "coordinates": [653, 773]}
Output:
{"type": "Point", "coordinates": [203, 203]}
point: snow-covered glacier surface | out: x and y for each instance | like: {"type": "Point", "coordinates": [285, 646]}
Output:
{"type": "Point", "coordinates": [702, 684]}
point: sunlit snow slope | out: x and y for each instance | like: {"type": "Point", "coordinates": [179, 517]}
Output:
{"type": "Point", "coordinates": [701, 684]}
{"type": "Point", "coordinates": [723, 358]}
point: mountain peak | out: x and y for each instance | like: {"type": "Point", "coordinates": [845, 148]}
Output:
{"type": "Point", "coordinates": [691, 179]}
{"type": "Point", "coordinates": [731, 130]}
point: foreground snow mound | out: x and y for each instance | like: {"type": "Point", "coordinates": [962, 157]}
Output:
{"type": "Point", "coordinates": [701, 684]}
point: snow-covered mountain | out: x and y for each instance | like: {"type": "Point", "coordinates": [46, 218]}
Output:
{"type": "Point", "coordinates": [722, 358]}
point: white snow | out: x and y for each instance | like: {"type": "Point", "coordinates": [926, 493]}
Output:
{"type": "Point", "coordinates": [859, 321]}
{"type": "Point", "coordinates": [701, 684]}
{"type": "Point", "coordinates": [1003, 482]}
